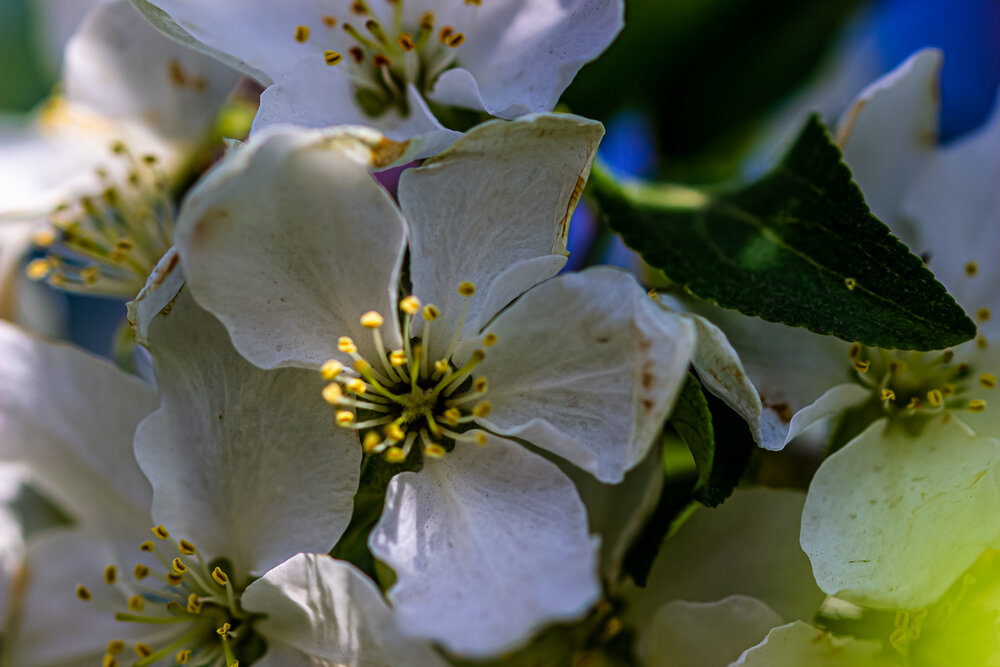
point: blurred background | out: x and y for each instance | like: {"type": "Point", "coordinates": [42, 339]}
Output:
{"type": "Point", "coordinates": [693, 91]}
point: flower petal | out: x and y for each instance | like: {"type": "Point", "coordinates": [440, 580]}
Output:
{"type": "Point", "coordinates": [257, 38]}
{"type": "Point", "coordinates": [520, 56]}
{"type": "Point", "coordinates": [504, 193]}
{"type": "Point", "coordinates": [71, 418]}
{"type": "Point", "coordinates": [706, 634]}
{"type": "Point", "coordinates": [121, 67]}
{"type": "Point", "coordinates": [329, 611]}
{"type": "Point", "coordinates": [289, 241]}
{"type": "Point", "coordinates": [160, 289]}
{"type": "Point", "coordinates": [489, 543]}
{"type": "Point", "coordinates": [748, 546]}
{"type": "Point", "coordinates": [798, 644]}
{"type": "Point", "coordinates": [890, 130]}
{"type": "Point", "coordinates": [244, 463]}
{"type": "Point", "coordinates": [954, 208]}
{"type": "Point", "coordinates": [296, 99]}
{"type": "Point", "coordinates": [55, 627]}
{"type": "Point", "coordinates": [891, 520]}
{"type": "Point", "coordinates": [586, 366]}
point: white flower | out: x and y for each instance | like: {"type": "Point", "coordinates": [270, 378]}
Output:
{"type": "Point", "coordinates": [135, 108]}
{"type": "Point", "coordinates": [297, 250]}
{"type": "Point", "coordinates": [397, 65]}
{"type": "Point", "coordinates": [242, 473]}
{"type": "Point", "coordinates": [908, 504]}
{"type": "Point", "coordinates": [727, 577]}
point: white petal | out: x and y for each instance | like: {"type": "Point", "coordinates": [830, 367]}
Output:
{"type": "Point", "coordinates": [121, 67]}
{"type": "Point", "coordinates": [289, 241]}
{"type": "Point", "coordinates": [765, 350]}
{"type": "Point", "coordinates": [892, 520]}
{"type": "Point", "coordinates": [160, 289]}
{"type": "Point", "coordinates": [330, 612]}
{"type": "Point", "coordinates": [798, 644]}
{"type": "Point", "coordinates": [587, 366]}
{"type": "Point", "coordinates": [295, 98]}
{"type": "Point", "coordinates": [748, 546]}
{"type": "Point", "coordinates": [503, 194]}
{"type": "Point", "coordinates": [245, 463]}
{"type": "Point", "coordinates": [954, 208]}
{"type": "Point", "coordinates": [11, 536]}
{"type": "Point", "coordinates": [56, 628]}
{"type": "Point", "coordinates": [706, 634]}
{"type": "Point", "coordinates": [489, 543]}
{"type": "Point", "coordinates": [71, 417]}
{"type": "Point", "coordinates": [255, 37]}
{"type": "Point", "coordinates": [617, 512]}
{"type": "Point", "coordinates": [520, 56]}
{"type": "Point", "coordinates": [890, 130]}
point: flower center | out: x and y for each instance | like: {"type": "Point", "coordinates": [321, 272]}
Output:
{"type": "Point", "coordinates": [913, 386]}
{"type": "Point", "coordinates": [109, 243]}
{"type": "Point", "coordinates": [387, 56]}
{"type": "Point", "coordinates": [404, 398]}
{"type": "Point", "coordinates": [191, 608]}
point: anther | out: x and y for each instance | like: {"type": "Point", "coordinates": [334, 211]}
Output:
{"type": "Point", "coordinates": [410, 305]}
{"type": "Point", "coordinates": [983, 314]}
{"type": "Point", "coordinates": [397, 358]}
{"type": "Point", "coordinates": [143, 650]}
{"type": "Point", "coordinates": [332, 393]}
{"type": "Point", "coordinates": [850, 283]}
{"type": "Point", "coordinates": [183, 656]}
{"type": "Point", "coordinates": [371, 320]}
{"type": "Point", "coordinates": [220, 577]}
{"type": "Point", "coordinates": [331, 369]}
{"type": "Point", "coordinates": [140, 571]}
{"type": "Point", "coordinates": [981, 342]}
{"type": "Point", "coordinates": [329, 21]}
{"type": "Point", "coordinates": [359, 8]}
{"type": "Point", "coordinates": [178, 566]}
{"type": "Point", "coordinates": [862, 366]}
{"type": "Point", "coordinates": [161, 532]}
{"type": "Point", "coordinates": [489, 340]}
{"type": "Point", "coordinates": [174, 579]}
{"type": "Point", "coordinates": [381, 60]}
{"type": "Point", "coordinates": [977, 405]}
{"type": "Point", "coordinates": [395, 432]}
{"type": "Point", "coordinates": [445, 33]}
{"type": "Point", "coordinates": [39, 269]}
{"type": "Point", "coordinates": [395, 455]}
{"type": "Point", "coordinates": [480, 439]}
{"type": "Point", "coordinates": [344, 417]}
{"type": "Point", "coordinates": [331, 57]}
{"type": "Point", "coordinates": [370, 442]}
{"type": "Point", "coordinates": [109, 661]}
{"type": "Point", "coordinates": [482, 409]}
{"type": "Point", "coordinates": [357, 54]}
{"type": "Point", "coordinates": [466, 288]}
{"type": "Point", "coordinates": [301, 34]}
{"type": "Point", "coordinates": [971, 268]}
{"type": "Point", "coordinates": [480, 385]}
{"type": "Point", "coordinates": [193, 603]}
{"type": "Point", "coordinates": [43, 238]}
{"type": "Point", "coordinates": [346, 345]}
{"type": "Point", "coordinates": [427, 21]}
{"type": "Point", "coordinates": [186, 548]}
{"type": "Point", "coordinates": [110, 575]}
{"type": "Point", "coordinates": [434, 450]}
{"type": "Point", "coordinates": [888, 395]}
{"type": "Point", "coordinates": [136, 603]}
{"type": "Point", "coordinates": [988, 380]}
{"type": "Point", "coordinates": [948, 389]}
{"type": "Point", "coordinates": [406, 42]}
{"type": "Point", "coordinates": [223, 631]}
{"type": "Point", "coordinates": [83, 593]}
{"type": "Point", "coordinates": [115, 646]}
{"type": "Point", "coordinates": [915, 404]}
{"type": "Point", "coordinates": [148, 546]}
{"type": "Point", "coordinates": [854, 351]}
{"type": "Point", "coordinates": [935, 398]}
{"type": "Point", "coordinates": [452, 415]}
{"type": "Point", "coordinates": [441, 366]}
{"type": "Point", "coordinates": [430, 312]}
{"type": "Point", "coordinates": [456, 40]}
{"type": "Point", "coordinates": [356, 386]}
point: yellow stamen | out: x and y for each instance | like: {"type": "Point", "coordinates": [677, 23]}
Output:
{"type": "Point", "coordinates": [183, 657]}
{"type": "Point", "coordinates": [110, 575]}
{"type": "Point", "coordinates": [434, 451]}
{"type": "Point", "coordinates": [301, 34]}
{"type": "Point", "coordinates": [143, 650]}
{"type": "Point", "coordinates": [854, 351]}
{"type": "Point", "coordinates": [480, 438]}
{"type": "Point", "coordinates": [356, 385]}
{"type": "Point", "coordinates": [344, 417]}
{"type": "Point", "coordinates": [140, 571]}
{"type": "Point", "coordinates": [489, 340]}
{"type": "Point", "coordinates": [220, 577]}
{"type": "Point", "coordinates": [174, 579]}
{"type": "Point", "coordinates": [186, 548]}
{"type": "Point", "coordinates": [370, 442]}
{"type": "Point", "coordinates": [482, 409]}
{"type": "Point", "coordinates": [850, 283]}
{"type": "Point", "coordinates": [395, 432]}
{"type": "Point", "coordinates": [83, 593]}
{"type": "Point", "coordinates": [332, 393]}
{"type": "Point", "coordinates": [405, 41]}
{"type": "Point", "coordinates": [977, 405]}
{"type": "Point", "coordinates": [466, 288]}
{"type": "Point", "coordinates": [430, 312]}
{"type": "Point", "coordinates": [148, 546]}
{"type": "Point", "coordinates": [988, 380]}
{"type": "Point", "coordinates": [935, 397]}
{"type": "Point", "coordinates": [136, 603]}
{"type": "Point", "coordinates": [397, 358]}
{"type": "Point", "coordinates": [115, 646]}
{"type": "Point", "coordinates": [331, 369]}
{"type": "Point", "coordinates": [888, 395]}
{"type": "Point", "coordinates": [178, 566]}
{"type": "Point", "coordinates": [346, 345]}
{"type": "Point", "coordinates": [331, 57]}
{"type": "Point", "coordinates": [372, 320]}
{"type": "Point", "coordinates": [395, 455]}
{"type": "Point", "coordinates": [862, 366]}
{"type": "Point", "coordinates": [161, 532]}
{"type": "Point", "coordinates": [983, 314]}
{"type": "Point", "coordinates": [971, 268]}
{"type": "Point", "coordinates": [410, 305]}
{"type": "Point", "coordinates": [456, 40]}
{"type": "Point", "coordinates": [329, 21]}
{"type": "Point", "coordinates": [39, 269]}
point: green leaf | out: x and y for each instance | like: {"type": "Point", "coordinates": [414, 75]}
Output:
{"type": "Point", "coordinates": [692, 421]}
{"type": "Point", "coordinates": [799, 246]}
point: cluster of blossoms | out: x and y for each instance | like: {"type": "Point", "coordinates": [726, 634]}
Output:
{"type": "Point", "coordinates": [370, 425]}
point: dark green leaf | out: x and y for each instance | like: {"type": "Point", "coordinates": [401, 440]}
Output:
{"type": "Point", "coordinates": [693, 423]}
{"type": "Point", "coordinates": [799, 246]}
